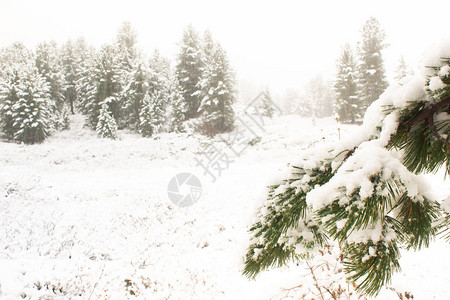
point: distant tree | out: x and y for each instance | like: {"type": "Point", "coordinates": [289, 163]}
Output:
{"type": "Point", "coordinates": [402, 71]}
{"type": "Point", "coordinates": [106, 125]}
{"type": "Point", "coordinates": [372, 80]}
{"type": "Point", "coordinates": [189, 71]}
{"type": "Point", "coordinates": [145, 117]}
{"type": "Point", "coordinates": [218, 81]}
{"type": "Point", "coordinates": [14, 57]}
{"type": "Point", "coordinates": [295, 103]}
{"type": "Point", "coordinates": [152, 114]}
{"type": "Point", "coordinates": [133, 95]}
{"type": "Point", "coordinates": [10, 89]}
{"type": "Point", "coordinates": [102, 80]}
{"type": "Point", "coordinates": [84, 68]}
{"type": "Point", "coordinates": [345, 87]}
{"type": "Point", "coordinates": [158, 109]}
{"type": "Point", "coordinates": [125, 46]}
{"type": "Point", "coordinates": [160, 73]}
{"type": "Point", "coordinates": [266, 105]}
{"type": "Point", "coordinates": [177, 108]}
{"type": "Point", "coordinates": [127, 60]}
{"type": "Point", "coordinates": [160, 81]}
{"type": "Point", "coordinates": [25, 108]}
{"type": "Point", "coordinates": [318, 93]}
{"type": "Point", "coordinates": [49, 66]}
{"type": "Point", "coordinates": [208, 45]}
{"type": "Point", "coordinates": [70, 74]}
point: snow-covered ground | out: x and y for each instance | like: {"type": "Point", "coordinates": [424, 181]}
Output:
{"type": "Point", "coordinates": [88, 218]}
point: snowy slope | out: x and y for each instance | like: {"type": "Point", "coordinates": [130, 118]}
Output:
{"type": "Point", "coordinates": [87, 218]}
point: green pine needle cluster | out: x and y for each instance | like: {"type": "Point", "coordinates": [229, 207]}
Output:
{"type": "Point", "coordinates": [369, 229]}
{"type": "Point", "coordinates": [285, 212]}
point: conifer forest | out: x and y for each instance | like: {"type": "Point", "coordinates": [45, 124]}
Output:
{"type": "Point", "coordinates": [224, 150]}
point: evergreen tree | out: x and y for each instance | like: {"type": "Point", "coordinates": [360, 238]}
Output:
{"type": "Point", "coordinates": [208, 45]}
{"type": "Point", "coordinates": [402, 71]}
{"type": "Point", "coordinates": [372, 80]}
{"type": "Point", "coordinates": [189, 71]}
{"type": "Point", "coordinates": [160, 73]}
{"type": "Point", "coordinates": [145, 125]}
{"type": "Point", "coordinates": [70, 73]}
{"type": "Point", "coordinates": [106, 125]}
{"type": "Point", "coordinates": [295, 103]}
{"type": "Point", "coordinates": [26, 107]}
{"type": "Point", "coordinates": [88, 103]}
{"type": "Point", "coordinates": [266, 106]}
{"type": "Point", "coordinates": [158, 106]}
{"type": "Point", "coordinates": [133, 95]}
{"type": "Point", "coordinates": [152, 117]}
{"type": "Point", "coordinates": [318, 94]}
{"type": "Point", "coordinates": [49, 67]}
{"type": "Point", "coordinates": [125, 46]}
{"type": "Point", "coordinates": [216, 108]}
{"type": "Point", "coordinates": [160, 84]}
{"type": "Point", "coordinates": [100, 81]}
{"type": "Point", "coordinates": [86, 82]}
{"type": "Point", "coordinates": [177, 108]}
{"type": "Point", "coordinates": [9, 95]}
{"type": "Point", "coordinates": [130, 71]}
{"type": "Point", "coordinates": [14, 57]}
{"type": "Point", "coordinates": [345, 87]}
{"type": "Point", "coordinates": [364, 194]}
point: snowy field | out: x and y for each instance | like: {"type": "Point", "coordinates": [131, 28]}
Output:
{"type": "Point", "coordinates": [85, 218]}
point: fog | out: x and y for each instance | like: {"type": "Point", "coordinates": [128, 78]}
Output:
{"type": "Point", "coordinates": [270, 43]}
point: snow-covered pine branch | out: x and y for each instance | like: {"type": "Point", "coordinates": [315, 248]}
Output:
{"type": "Point", "coordinates": [365, 193]}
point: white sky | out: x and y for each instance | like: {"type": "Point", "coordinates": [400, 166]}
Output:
{"type": "Point", "coordinates": [281, 44]}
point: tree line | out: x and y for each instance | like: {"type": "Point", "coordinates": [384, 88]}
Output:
{"type": "Point", "coordinates": [360, 79]}
{"type": "Point", "coordinates": [115, 87]}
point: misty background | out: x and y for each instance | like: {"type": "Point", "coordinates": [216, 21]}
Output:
{"type": "Point", "coordinates": [279, 45]}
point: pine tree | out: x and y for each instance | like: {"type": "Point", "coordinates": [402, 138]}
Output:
{"type": "Point", "coordinates": [158, 108]}
{"type": "Point", "coordinates": [177, 108]}
{"type": "Point", "coordinates": [106, 125]}
{"type": "Point", "coordinates": [133, 95]}
{"type": "Point", "coordinates": [48, 65]}
{"type": "Point", "coordinates": [160, 84]}
{"type": "Point", "coordinates": [160, 73]}
{"type": "Point", "coordinates": [125, 46]}
{"type": "Point", "coordinates": [86, 82]}
{"type": "Point", "coordinates": [295, 103]}
{"type": "Point", "coordinates": [402, 71]}
{"type": "Point", "coordinates": [372, 80]}
{"type": "Point", "coordinates": [189, 71]}
{"type": "Point", "coordinates": [345, 87]}
{"type": "Point", "coordinates": [364, 194]}
{"type": "Point", "coordinates": [130, 69]}
{"type": "Point", "coordinates": [266, 105]}
{"type": "Point", "coordinates": [26, 107]}
{"type": "Point", "coordinates": [9, 95]}
{"type": "Point", "coordinates": [101, 80]}
{"type": "Point", "coordinates": [70, 74]}
{"type": "Point", "coordinates": [146, 127]}
{"type": "Point", "coordinates": [218, 83]}
{"type": "Point", "coordinates": [14, 57]}
{"type": "Point", "coordinates": [318, 94]}
{"type": "Point", "coordinates": [152, 116]}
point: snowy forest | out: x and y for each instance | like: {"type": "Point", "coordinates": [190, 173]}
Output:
{"type": "Point", "coordinates": [327, 193]}
{"type": "Point", "coordinates": [115, 87]}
